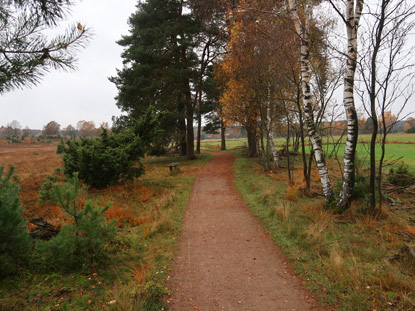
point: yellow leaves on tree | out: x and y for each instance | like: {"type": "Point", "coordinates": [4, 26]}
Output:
{"type": "Point", "coordinates": [252, 65]}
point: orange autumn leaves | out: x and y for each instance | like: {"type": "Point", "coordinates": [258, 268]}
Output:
{"type": "Point", "coordinates": [257, 50]}
{"type": "Point", "coordinates": [121, 210]}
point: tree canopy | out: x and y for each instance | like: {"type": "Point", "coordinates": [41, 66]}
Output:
{"type": "Point", "coordinates": [160, 67]}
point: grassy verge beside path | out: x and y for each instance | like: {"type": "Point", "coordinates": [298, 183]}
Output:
{"type": "Point", "coordinates": [343, 259]}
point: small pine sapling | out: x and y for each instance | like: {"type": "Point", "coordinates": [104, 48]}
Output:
{"type": "Point", "coordinates": [14, 238]}
{"type": "Point", "coordinates": [47, 192]}
{"type": "Point", "coordinates": [81, 243]}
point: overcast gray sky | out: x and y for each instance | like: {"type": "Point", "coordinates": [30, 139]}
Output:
{"type": "Point", "coordinates": [85, 94]}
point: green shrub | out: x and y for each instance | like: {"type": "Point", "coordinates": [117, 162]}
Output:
{"type": "Point", "coordinates": [47, 190]}
{"type": "Point", "coordinates": [150, 127]}
{"type": "Point", "coordinates": [105, 160]}
{"type": "Point", "coordinates": [114, 157]}
{"type": "Point", "coordinates": [400, 176]}
{"type": "Point", "coordinates": [14, 238]}
{"type": "Point", "coordinates": [361, 187]}
{"type": "Point", "coordinates": [82, 243]}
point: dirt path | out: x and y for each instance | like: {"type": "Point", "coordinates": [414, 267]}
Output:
{"type": "Point", "coordinates": [226, 261]}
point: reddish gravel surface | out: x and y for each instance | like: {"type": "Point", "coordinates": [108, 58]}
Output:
{"type": "Point", "coordinates": [226, 261]}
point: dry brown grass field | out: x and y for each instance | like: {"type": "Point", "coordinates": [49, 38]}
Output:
{"type": "Point", "coordinates": [147, 212]}
{"type": "Point", "coordinates": [33, 162]}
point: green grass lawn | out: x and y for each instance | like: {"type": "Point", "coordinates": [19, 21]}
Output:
{"type": "Point", "coordinates": [398, 146]}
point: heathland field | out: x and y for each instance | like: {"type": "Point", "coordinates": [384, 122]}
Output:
{"type": "Point", "coordinates": [147, 213]}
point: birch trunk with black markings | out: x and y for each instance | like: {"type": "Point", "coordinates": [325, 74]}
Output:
{"type": "Point", "coordinates": [302, 30]}
{"type": "Point", "coordinates": [352, 18]}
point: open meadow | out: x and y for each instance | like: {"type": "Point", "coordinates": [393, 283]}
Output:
{"type": "Point", "coordinates": [399, 147]}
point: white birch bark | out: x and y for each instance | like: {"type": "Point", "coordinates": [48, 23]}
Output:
{"type": "Point", "coordinates": [352, 18]}
{"type": "Point", "coordinates": [302, 29]}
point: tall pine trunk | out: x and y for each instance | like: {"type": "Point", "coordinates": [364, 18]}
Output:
{"type": "Point", "coordinates": [181, 128]}
{"type": "Point", "coordinates": [199, 123]}
{"type": "Point", "coordinates": [190, 139]}
{"type": "Point", "coordinates": [302, 29]}
{"type": "Point", "coordinates": [199, 96]}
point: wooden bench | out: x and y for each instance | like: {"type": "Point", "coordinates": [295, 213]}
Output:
{"type": "Point", "coordinates": [172, 166]}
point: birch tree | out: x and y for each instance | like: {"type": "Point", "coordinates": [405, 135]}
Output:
{"type": "Point", "coordinates": [351, 19]}
{"type": "Point", "coordinates": [302, 28]}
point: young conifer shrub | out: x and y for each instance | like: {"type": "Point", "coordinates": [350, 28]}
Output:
{"type": "Point", "coordinates": [105, 160]}
{"type": "Point", "coordinates": [14, 238]}
{"type": "Point", "coordinates": [83, 242]}
{"type": "Point", "coordinates": [401, 176]}
{"type": "Point", "coordinates": [47, 192]}
{"type": "Point", "coordinates": [114, 157]}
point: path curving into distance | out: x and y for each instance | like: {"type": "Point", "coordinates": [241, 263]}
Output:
{"type": "Point", "coordinates": [225, 260]}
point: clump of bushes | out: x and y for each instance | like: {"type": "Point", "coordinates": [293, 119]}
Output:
{"type": "Point", "coordinates": [401, 176]}
{"type": "Point", "coordinates": [83, 242]}
{"type": "Point", "coordinates": [15, 140]}
{"type": "Point", "coordinates": [14, 238]}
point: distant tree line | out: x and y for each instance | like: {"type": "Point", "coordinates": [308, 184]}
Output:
{"type": "Point", "coordinates": [53, 129]}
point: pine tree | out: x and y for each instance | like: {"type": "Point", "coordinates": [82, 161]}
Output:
{"type": "Point", "coordinates": [14, 238]}
{"type": "Point", "coordinates": [159, 67]}
{"type": "Point", "coordinates": [26, 52]}
{"type": "Point", "coordinates": [83, 242]}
